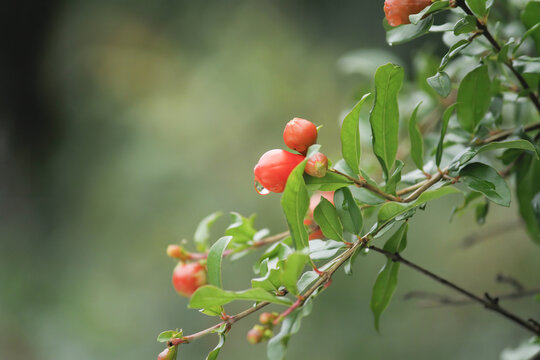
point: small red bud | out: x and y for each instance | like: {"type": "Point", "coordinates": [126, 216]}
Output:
{"type": "Point", "coordinates": [255, 335]}
{"type": "Point", "coordinates": [317, 165]}
{"type": "Point", "coordinates": [167, 354]}
{"type": "Point", "coordinates": [397, 11]}
{"type": "Point", "coordinates": [188, 277]}
{"type": "Point", "coordinates": [267, 318]}
{"type": "Point", "coordinates": [300, 134]}
{"type": "Point", "coordinates": [318, 234]}
{"type": "Point", "coordinates": [274, 168]}
{"type": "Point", "coordinates": [175, 251]}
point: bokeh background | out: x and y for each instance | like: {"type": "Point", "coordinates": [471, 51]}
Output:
{"type": "Point", "coordinates": [123, 123]}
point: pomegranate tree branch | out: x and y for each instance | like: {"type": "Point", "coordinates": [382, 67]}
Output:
{"type": "Point", "coordinates": [435, 299]}
{"type": "Point", "coordinates": [368, 186]}
{"type": "Point", "coordinates": [483, 28]}
{"type": "Point", "coordinates": [228, 322]}
{"type": "Point", "coordinates": [489, 302]}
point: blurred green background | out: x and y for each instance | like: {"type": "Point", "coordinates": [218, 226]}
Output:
{"type": "Point", "coordinates": [123, 123]}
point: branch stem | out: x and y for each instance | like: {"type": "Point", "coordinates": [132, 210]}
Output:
{"type": "Point", "coordinates": [483, 27]}
{"type": "Point", "coordinates": [489, 302]}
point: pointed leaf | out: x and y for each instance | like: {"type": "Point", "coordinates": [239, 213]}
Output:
{"type": "Point", "coordinates": [483, 178]}
{"type": "Point", "coordinates": [527, 189]}
{"type": "Point", "coordinates": [215, 257]}
{"type": "Point", "coordinates": [405, 33]}
{"type": "Point", "coordinates": [295, 203]}
{"type": "Point", "coordinates": [348, 211]}
{"type": "Point", "coordinates": [444, 126]}
{"type": "Point", "coordinates": [417, 143]}
{"type": "Point", "coordinates": [350, 136]}
{"type": "Point", "coordinates": [386, 282]}
{"type": "Point", "coordinates": [392, 209]}
{"type": "Point", "coordinates": [202, 233]}
{"type": "Point", "coordinates": [213, 355]}
{"type": "Point", "coordinates": [474, 97]}
{"type": "Point", "coordinates": [326, 217]}
{"type": "Point", "coordinates": [441, 83]}
{"type": "Point", "coordinates": [209, 296]}
{"type": "Point", "coordinates": [384, 117]}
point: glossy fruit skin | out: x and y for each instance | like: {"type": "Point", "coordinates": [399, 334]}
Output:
{"type": "Point", "coordinates": [317, 165]}
{"type": "Point", "coordinates": [274, 168]}
{"type": "Point", "coordinates": [300, 134]}
{"type": "Point", "coordinates": [397, 11]}
{"type": "Point", "coordinates": [188, 277]}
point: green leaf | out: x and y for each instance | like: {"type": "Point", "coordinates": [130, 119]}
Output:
{"type": "Point", "coordinates": [465, 25]}
{"type": "Point", "coordinates": [478, 7]}
{"type": "Point", "coordinates": [350, 136]}
{"type": "Point", "coordinates": [527, 188]}
{"type": "Point", "coordinates": [215, 257]}
{"type": "Point", "coordinates": [202, 233]}
{"type": "Point", "coordinates": [433, 8]}
{"type": "Point", "coordinates": [483, 178]}
{"type": "Point", "coordinates": [325, 215]}
{"type": "Point", "coordinates": [473, 98]}
{"type": "Point", "coordinates": [445, 119]}
{"type": "Point", "coordinates": [384, 117]}
{"type": "Point", "coordinates": [392, 209]}
{"type": "Point", "coordinates": [532, 31]}
{"type": "Point", "coordinates": [213, 355]}
{"type": "Point", "coordinates": [529, 17]}
{"type": "Point", "coordinates": [169, 335]}
{"type": "Point", "coordinates": [330, 182]}
{"type": "Point", "coordinates": [292, 269]}
{"type": "Point", "coordinates": [417, 143]}
{"type": "Point", "coordinates": [405, 33]}
{"type": "Point", "coordinates": [295, 203]}
{"type": "Point", "coordinates": [324, 249]}
{"type": "Point", "coordinates": [277, 346]}
{"type": "Point", "coordinates": [470, 153]}
{"type": "Point", "coordinates": [481, 212]}
{"type": "Point", "coordinates": [386, 282]}
{"type": "Point", "coordinates": [241, 228]}
{"type": "Point", "coordinates": [469, 198]}
{"type": "Point", "coordinates": [364, 196]}
{"type": "Point", "coordinates": [209, 296]}
{"type": "Point", "coordinates": [453, 51]}
{"type": "Point", "coordinates": [394, 179]}
{"type": "Point", "coordinates": [348, 211]}
{"type": "Point", "coordinates": [441, 83]}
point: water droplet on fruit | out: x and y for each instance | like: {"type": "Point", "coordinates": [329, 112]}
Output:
{"type": "Point", "coordinates": [261, 189]}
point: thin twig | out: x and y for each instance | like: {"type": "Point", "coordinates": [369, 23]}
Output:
{"type": "Point", "coordinates": [437, 300]}
{"type": "Point", "coordinates": [497, 47]}
{"type": "Point", "coordinates": [489, 302]}
{"type": "Point", "coordinates": [503, 134]}
{"type": "Point", "coordinates": [368, 186]}
{"type": "Point", "coordinates": [230, 321]}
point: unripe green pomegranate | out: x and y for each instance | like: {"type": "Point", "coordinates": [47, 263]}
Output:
{"type": "Point", "coordinates": [300, 134]}
{"type": "Point", "coordinates": [188, 277]}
